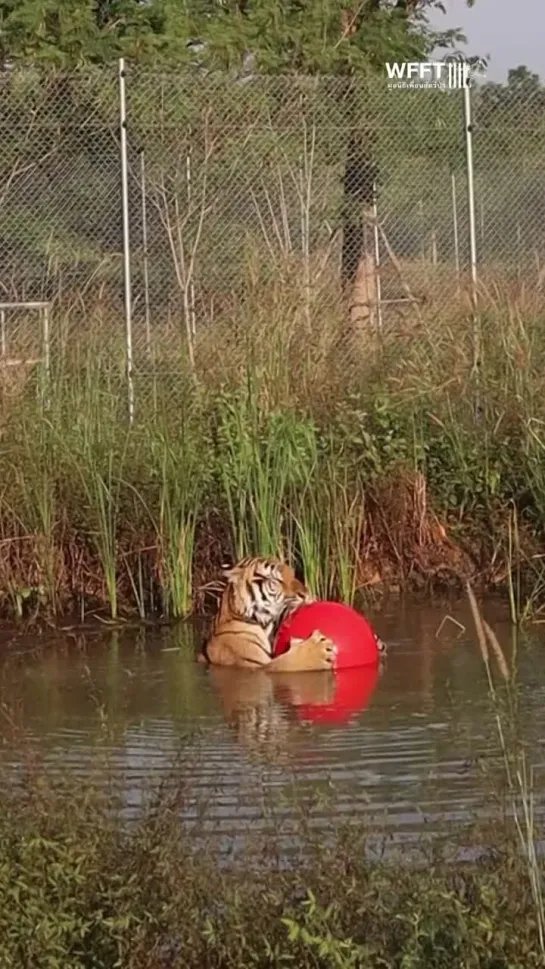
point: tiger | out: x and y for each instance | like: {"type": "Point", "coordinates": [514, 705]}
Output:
{"type": "Point", "coordinates": [258, 593]}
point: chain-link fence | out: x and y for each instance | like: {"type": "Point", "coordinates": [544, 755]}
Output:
{"type": "Point", "coordinates": [346, 197]}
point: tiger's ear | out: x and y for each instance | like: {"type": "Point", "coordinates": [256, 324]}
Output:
{"type": "Point", "coordinates": [229, 571]}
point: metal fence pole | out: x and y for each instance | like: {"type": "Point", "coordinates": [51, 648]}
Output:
{"type": "Point", "coordinates": [126, 236]}
{"type": "Point", "coordinates": [376, 241]}
{"type": "Point", "coordinates": [472, 237]}
{"type": "Point", "coordinates": [455, 230]}
{"type": "Point", "coordinates": [145, 251]}
{"type": "Point", "coordinates": [455, 224]}
{"type": "Point", "coordinates": [470, 191]}
{"type": "Point", "coordinates": [47, 354]}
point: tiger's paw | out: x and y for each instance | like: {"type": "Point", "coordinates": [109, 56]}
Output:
{"type": "Point", "coordinates": [315, 653]}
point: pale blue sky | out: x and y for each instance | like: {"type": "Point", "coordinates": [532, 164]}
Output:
{"type": "Point", "coordinates": [512, 33]}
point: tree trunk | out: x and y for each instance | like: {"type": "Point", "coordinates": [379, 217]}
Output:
{"type": "Point", "coordinates": [358, 269]}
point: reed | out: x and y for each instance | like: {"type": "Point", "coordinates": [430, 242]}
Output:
{"type": "Point", "coordinates": [348, 524]}
{"type": "Point", "coordinates": [310, 536]}
{"type": "Point", "coordinates": [181, 462]}
{"type": "Point", "coordinates": [328, 525]}
{"type": "Point", "coordinates": [91, 448]}
{"type": "Point", "coordinates": [261, 455]}
{"type": "Point", "coordinates": [519, 777]}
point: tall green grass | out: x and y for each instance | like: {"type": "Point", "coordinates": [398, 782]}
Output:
{"type": "Point", "coordinates": [261, 455]}
{"type": "Point", "coordinates": [94, 454]}
{"type": "Point", "coordinates": [328, 514]}
{"type": "Point", "coordinates": [180, 461]}
{"type": "Point", "coordinates": [288, 441]}
{"type": "Point", "coordinates": [29, 526]}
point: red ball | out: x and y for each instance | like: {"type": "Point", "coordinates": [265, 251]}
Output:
{"type": "Point", "coordinates": [354, 637]}
{"type": "Point", "coordinates": [353, 692]}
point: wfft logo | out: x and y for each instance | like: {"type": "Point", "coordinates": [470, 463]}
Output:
{"type": "Point", "coordinates": [450, 75]}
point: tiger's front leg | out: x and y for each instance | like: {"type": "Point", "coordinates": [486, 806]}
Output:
{"type": "Point", "coordinates": [306, 655]}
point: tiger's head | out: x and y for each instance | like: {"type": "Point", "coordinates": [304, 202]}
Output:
{"type": "Point", "coordinates": [262, 591]}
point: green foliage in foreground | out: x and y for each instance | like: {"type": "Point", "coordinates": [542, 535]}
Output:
{"type": "Point", "coordinates": [80, 890]}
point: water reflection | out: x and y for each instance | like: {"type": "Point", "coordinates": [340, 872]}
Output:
{"type": "Point", "coordinates": [263, 710]}
{"type": "Point", "coordinates": [412, 747]}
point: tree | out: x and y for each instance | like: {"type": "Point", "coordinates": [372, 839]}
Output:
{"type": "Point", "coordinates": [330, 36]}
{"type": "Point", "coordinates": [70, 33]}
{"type": "Point", "coordinates": [523, 88]}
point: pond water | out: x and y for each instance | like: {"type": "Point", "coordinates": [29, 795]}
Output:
{"type": "Point", "coordinates": [411, 749]}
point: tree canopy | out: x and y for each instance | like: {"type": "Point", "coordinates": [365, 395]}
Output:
{"type": "Point", "coordinates": [278, 35]}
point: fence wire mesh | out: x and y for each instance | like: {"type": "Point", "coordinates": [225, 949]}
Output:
{"type": "Point", "coordinates": [252, 200]}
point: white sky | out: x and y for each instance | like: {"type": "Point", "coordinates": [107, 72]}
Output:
{"type": "Point", "coordinates": [511, 33]}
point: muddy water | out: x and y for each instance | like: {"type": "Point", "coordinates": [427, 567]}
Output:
{"type": "Point", "coordinates": [412, 749]}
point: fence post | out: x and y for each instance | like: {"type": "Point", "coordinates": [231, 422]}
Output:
{"type": "Point", "coordinates": [47, 353]}
{"type": "Point", "coordinates": [455, 227]}
{"type": "Point", "coordinates": [472, 236]}
{"type": "Point", "coordinates": [470, 190]}
{"type": "Point", "coordinates": [145, 250]}
{"type": "Point", "coordinates": [376, 241]}
{"type": "Point", "coordinates": [126, 235]}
